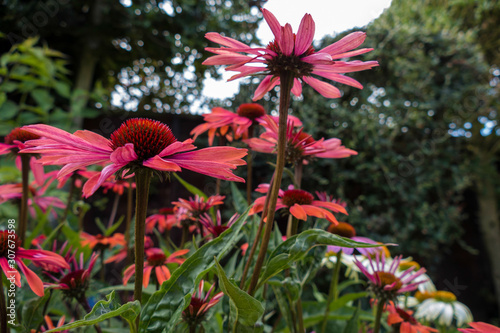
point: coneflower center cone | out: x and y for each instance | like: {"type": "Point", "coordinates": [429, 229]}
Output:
{"type": "Point", "coordinates": [288, 63]}
{"type": "Point", "coordinates": [251, 111]}
{"type": "Point", "coordinates": [8, 241]}
{"type": "Point", "coordinates": [343, 229]}
{"type": "Point", "coordinates": [301, 197]}
{"type": "Point", "coordinates": [149, 137]}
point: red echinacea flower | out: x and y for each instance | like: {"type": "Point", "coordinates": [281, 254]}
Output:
{"type": "Point", "coordinates": [292, 53]}
{"type": "Point", "coordinates": [14, 141]}
{"type": "Point", "coordinates": [215, 229]}
{"type": "Point", "coordinates": [157, 260]}
{"type": "Point", "coordinates": [300, 146]}
{"type": "Point", "coordinates": [403, 321]}
{"type": "Point", "coordinates": [135, 144]}
{"type": "Point", "coordinates": [99, 241]}
{"type": "Point", "coordinates": [195, 312]}
{"type": "Point", "coordinates": [300, 204]}
{"type": "Point", "coordinates": [345, 229]}
{"type": "Point", "coordinates": [197, 206]}
{"type": "Point", "coordinates": [10, 245]}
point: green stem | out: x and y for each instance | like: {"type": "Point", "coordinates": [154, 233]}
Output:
{"type": "Point", "coordinates": [128, 220]}
{"type": "Point", "coordinates": [3, 308]}
{"type": "Point", "coordinates": [114, 209]}
{"type": "Point", "coordinates": [298, 174]}
{"type": "Point", "coordinates": [378, 315]}
{"type": "Point", "coordinates": [142, 180]}
{"type": "Point", "coordinates": [185, 234]}
{"type": "Point", "coordinates": [300, 316]}
{"type": "Point", "coordinates": [333, 292]}
{"type": "Point", "coordinates": [70, 197]}
{"type": "Point", "coordinates": [257, 236]}
{"type": "Point", "coordinates": [23, 212]}
{"type": "Point", "coordinates": [286, 82]}
{"type": "Point", "coordinates": [249, 167]}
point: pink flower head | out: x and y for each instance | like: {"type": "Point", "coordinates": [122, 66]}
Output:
{"type": "Point", "coordinates": [300, 146]}
{"type": "Point", "coordinates": [292, 53]}
{"type": "Point", "coordinates": [480, 327]}
{"type": "Point", "coordinates": [75, 281]}
{"type": "Point", "coordinates": [135, 144]}
{"type": "Point", "coordinates": [197, 206]}
{"type": "Point", "coordinates": [233, 125]}
{"type": "Point", "coordinates": [385, 282]}
{"type": "Point", "coordinates": [300, 204]}
{"type": "Point", "coordinates": [10, 244]}
{"type": "Point", "coordinates": [215, 229]}
{"type": "Point", "coordinates": [195, 312]}
{"type": "Point", "coordinates": [165, 219]}
{"type": "Point", "coordinates": [14, 141]}
{"type": "Point", "coordinates": [157, 260]}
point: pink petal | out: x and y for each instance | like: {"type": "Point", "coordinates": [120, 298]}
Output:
{"type": "Point", "coordinates": [349, 42]}
{"type": "Point", "coordinates": [351, 53]}
{"type": "Point", "coordinates": [299, 212]}
{"type": "Point", "coordinates": [273, 24]}
{"type": "Point", "coordinates": [93, 138]}
{"type": "Point", "coordinates": [34, 281]}
{"type": "Point", "coordinates": [305, 34]}
{"type": "Point", "coordinates": [247, 70]}
{"type": "Point", "coordinates": [226, 59]}
{"type": "Point", "coordinates": [146, 275]}
{"type": "Point", "coordinates": [226, 41]}
{"type": "Point", "coordinates": [127, 274]}
{"type": "Point", "coordinates": [123, 155]}
{"type": "Point", "coordinates": [319, 212]}
{"type": "Point", "coordinates": [325, 89]}
{"type": "Point", "coordinates": [6, 268]}
{"type": "Point", "coordinates": [339, 78]}
{"type": "Point", "coordinates": [265, 86]}
{"type": "Point", "coordinates": [330, 205]}
{"type": "Point", "coordinates": [158, 163]}
{"type": "Point", "coordinates": [287, 40]}
{"type": "Point", "coordinates": [96, 181]}
{"type": "Point", "coordinates": [318, 59]}
{"type": "Point", "coordinates": [37, 169]}
{"type": "Point", "coordinates": [177, 147]}
{"type": "Point", "coordinates": [297, 87]}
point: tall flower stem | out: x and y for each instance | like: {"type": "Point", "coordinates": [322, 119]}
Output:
{"type": "Point", "coordinates": [128, 220]}
{"type": "Point", "coordinates": [251, 131]}
{"type": "Point", "coordinates": [23, 210]}
{"type": "Point", "coordinates": [3, 309]}
{"type": "Point", "coordinates": [114, 209]}
{"type": "Point", "coordinates": [257, 236]}
{"type": "Point", "coordinates": [70, 197]}
{"type": "Point", "coordinates": [286, 83]}
{"type": "Point", "coordinates": [332, 293]}
{"type": "Point", "coordinates": [142, 180]}
{"type": "Point", "coordinates": [378, 315]}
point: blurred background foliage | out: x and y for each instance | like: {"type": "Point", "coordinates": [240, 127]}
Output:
{"type": "Point", "coordinates": [425, 125]}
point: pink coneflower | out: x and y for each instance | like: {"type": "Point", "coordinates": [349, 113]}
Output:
{"type": "Point", "coordinates": [385, 282]}
{"type": "Point", "coordinates": [75, 281]}
{"type": "Point", "coordinates": [345, 229]}
{"type": "Point", "coordinates": [98, 242]}
{"type": "Point", "coordinates": [195, 312]}
{"type": "Point", "coordinates": [403, 321]}
{"type": "Point", "coordinates": [50, 324]}
{"type": "Point", "coordinates": [233, 125]}
{"type": "Point", "coordinates": [300, 204]}
{"type": "Point", "coordinates": [14, 141]}
{"type": "Point", "coordinates": [157, 260]}
{"type": "Point", "coordinates": [165, 219]}
{"type": "Point", "coordinates": [197, 206]}
{"type": "Point", "coordinates": [124, 252]}
{"type": "Point", "coordinates": [137, 143]}
{"type": "Point", "coordinates": [8, 240]}
{"type": "Point", "coordinates": [112, 183]}
{"type": "Point", "coordinates": [292, 53]}
{"type": "Point", "coordinates": [300, 146]}
{"type": "Point", "coordinates": [215, 229]}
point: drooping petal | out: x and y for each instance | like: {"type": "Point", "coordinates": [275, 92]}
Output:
{"type": "Point", "coordinates": [123, 155]}
{"type": "Point", "coordinates": [297, 87]}
{"type": "Point", "coordinates": [339, 78]}
{"type": "Point", "coordinates": [146, 275]}
{"type": "Point", "coordinates": [325, 89]}
{"type": "Point", "coordinates": [299, 212]}
{"type": "Point", "coordinates": [127, 274]}
{"type": "Point", "coordinates": [305, 35]}
{"type": "Point", "coordinates": [34, 281]}
{"type": "Point", "coordinates": [349, 42]}
{"type": "Point", "coordinates": [158, 163]}
{"type": "Point", "coordinates": [266, 85]}
{"type": "Point", "coordinates": [96, 181]}
{"type": "Point", "coordinates": [318, 59]}
{"type": "Point", "coordinates": [226, 41]}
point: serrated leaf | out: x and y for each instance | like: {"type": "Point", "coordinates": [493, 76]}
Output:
{"type": "Point", "coordinates": [164, 308]}
{"type": "Point", "coordinates": [296, 247]}
{"type": "Point", "coordinates": [245, 310]}
{"type": "Point", "coordinates": [103, 310]}
{"type": "Point", "coordinates": [191, 188]}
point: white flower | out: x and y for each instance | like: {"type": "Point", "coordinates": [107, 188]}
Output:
{"type": "Point", "coordinates": [442, 308]}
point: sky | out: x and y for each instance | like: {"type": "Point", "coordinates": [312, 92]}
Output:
{"type": "Point", "coordinates": [330, 16]}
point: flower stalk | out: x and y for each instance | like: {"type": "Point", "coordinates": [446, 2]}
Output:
{"type": "Point", "coordinates": [142, 180]}
{"type": "Point", "coordinates": [3, 309]}
{"type": "Point", "coordinates": [333, 292]}
{"type": "Point", "coordinates": [23, 208]}
{"type": "Point", "coordinates": [378, 315]}
{"type": "Point", "coordinates": [286, 80]}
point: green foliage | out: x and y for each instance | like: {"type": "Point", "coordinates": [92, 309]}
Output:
{"type": "Point", "coordinates": [245, 310]}
{"type": "Point", "coordinates": [106, 309]}
{"type": "Point", "coordinates": [164, 308]}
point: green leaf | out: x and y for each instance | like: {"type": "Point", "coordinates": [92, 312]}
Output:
{"type": "Point", "coordinates": [164, 308]}
{"type": "Point", "coordinates": [43, 99]}
{"type": "Point", "coordinates": [352, 324]}
{"type": "Point", "coordinates": [8, 87]}
{"type": "Point", "coordinates": [296, 247]}
{"type": "Point", "coordinates": [239, 201]}
{"type": "Point", "coordinates": [115, 226]}
{"type": "Point", "coordinates": [62, 89]}
{"type": "Point", "coordinates": [192, 189]}
{"type": "Point", "coordinates": [245, 310]}
{"type": "Point", "coordinates": [32, 312]}
{"type": "Point", "coordinates": [8, 110]}
{"type": "Point", "coordinates": [103, 310]}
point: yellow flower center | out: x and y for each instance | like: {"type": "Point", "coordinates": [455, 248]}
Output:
{"type": "Point", "coordinates": [444, 296]}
